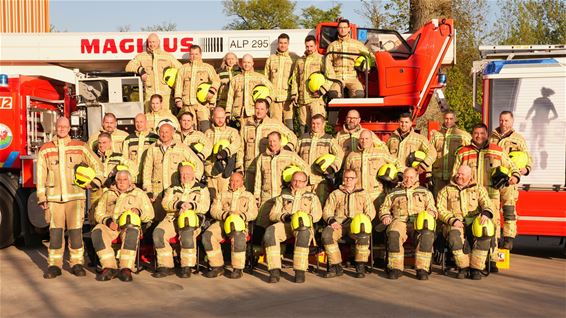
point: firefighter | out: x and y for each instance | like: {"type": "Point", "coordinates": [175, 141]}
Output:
{"type": "Point", "coordinates": [228, 69]}
{"type": "Point", "coordinates": [240, 100]}
{"type": "Point", "coordinates": [486, 158]}
{"type": "Point", "coordinates": [151, 66]}
{"type": "Point", "coordinates": [254, 133]}
{"type": "Point", "coordinates": [308, 79]}
{"type": "Point", "coordinates": [270, 167]}
{"type": "Point", "coordinates": [196, 87]}
{"type": "Point", "coordinates": [314, 148]}
{"type": "Point", "coordinates": [279, 70]}
{"type": "Point", "coordinates": [227, 153]}
{"type": "Point", "coordinates": [405, 143]}
{"type": "Point", "coordinates": [339, 211]}
{"type": "Point", "coordinates": [120, 213]}
{"type": "Point", "coordinates": [348, 137]}
{"type": "Point", "coordinates": [62, 200]}
{"type": "Point", "coordinates": [294, 213]}
{"type": "Point", "coordinates": [230, 206]}
{"type": "Point", "coordinates": [459, 203]}
{"type": "Point", "coordinates": [158, 113]}
{"type": "Point", "coordinates": [401, 206]}
{"type": "Point", "coordinates": [161, 162]}
{"type": "Point", "coordinates": [136, 144]}
{"type": "Point", "coordinates": [340, 67]}
{"type": "Point", "coordinates": [447, 141]}
{"type": "Point", "coordinates": [195, 139]}
{"type": "Point", "coordinates": [109, 125]}
{"type": "Point", "coordinates": [366, 161]}
{"type": "Point", "coordinates": [185, 204]}
{"type": "Point", "coordinates": [511, 142]}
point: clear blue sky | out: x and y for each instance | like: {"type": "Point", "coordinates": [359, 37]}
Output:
{"type": "Point", "coordinates": [93, 16]}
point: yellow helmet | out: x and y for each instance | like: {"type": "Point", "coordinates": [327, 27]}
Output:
{"type": "Point", "coordinates": [415, 158]}
{"type": "Point", "coordinates": [300, 220]}
{"type": "Point", "coordinates": [187, 163]}
{"type": "Point", "coordinates": [202, 92]}
{"type": "Point", "coordinates": [363, 63]}
{"type": "Point", "coordinates": [129, 218]}
{"type": "Point", "coordinates": [84, 175]}
{"type": "Point", "coordinates": [315, 81]}
{"type": "Point", "coordinates": [260, 92]}
{"type": "Point", "coordinates": [387, 173]}
{"type": "Point", "coordinates": [234, 223]}
{"type": "Point", "coordinates": [289, 172]}
{"type": "Point", "coordinates": [483, 231]}
{"type": "Point", "coordinates": [519, 158]}
{"type": "Point", "coordinates": [221, 144]}
{"type": "Point", "coordinates": [361, 224]}
{"type": "Point", "coordinates": [284, 140]}
{"type": "Point", "coordinates": [169, 76]}
{"type": "Point", "coordinates": [198, 146]}
{"type": "Point", "coordinates": [188, 218]}
{"type": "Point", "coordinates": [424, 221]}
{"type": "Point", "coordinates": [500, 177]}
{"type": "Point", "coordinates": [324, 161]}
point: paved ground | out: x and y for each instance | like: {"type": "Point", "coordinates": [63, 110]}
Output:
{"type": "Point", "coordinates": [534, 286]}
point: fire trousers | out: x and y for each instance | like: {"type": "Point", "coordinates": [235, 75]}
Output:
{"type": "Point", "coordinates": [211, 239]}
{"type": "Point", "coordinates": [68, 215]}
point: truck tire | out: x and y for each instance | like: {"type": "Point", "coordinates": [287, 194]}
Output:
{"type": "Point", "coordinates": [9, 210]}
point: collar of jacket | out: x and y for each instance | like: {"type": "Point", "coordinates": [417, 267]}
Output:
{"type": "Point", "coordinates": [403, 136]}
{"type": "Point", "coordinates": [345, 129]}
{"type": "Point", "coordinates": [343, 189]}
{"type": "Point", "coordinates": [189, 185]}
{"type": "Point", "coordinates": [298, 191]}
{"type": "Point", "coordinates": [345, 38]}
{"type": "Point", "coordinates": [318, 135]}
{"type": "Point", "coordinates": [470, 184]}
{"type": "Point", "coordinates": [480, 147]}
{"type": "Point", "coordinates": [414, 186]}
{"type": "Point", "coordinates": [286, 53]}
{"type": "Point", "coordinates": [219, 128]}
{"type": "Point", "coordinates": [196, 62]}
{"type": "Point", "coordinates": [363, 150]}
{"type": "Point", "coordinates": [115, 189]}
{"type": "Point", "coordinates": [157, 51]}
{"type": "Point", "coordinates": [107, 154]}
{"type": "Point", "coordinates": [65, 140]}
{"type": "Point", "coordinates": [239, 190]}
{"type": "Point", "coordinates": [271, 153]}
{"type": "Point", "coordinates": [503, 135]}
{"type": "Point", "coordinates": [159, 143]}
{"type": "Point", "coordinates": [186, 133]}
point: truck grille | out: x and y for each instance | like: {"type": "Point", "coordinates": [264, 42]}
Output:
{"type": "Point", "coordinates": [212, 45]}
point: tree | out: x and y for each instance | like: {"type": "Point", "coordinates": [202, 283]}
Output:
{"type": "Point", "coordinates": [311, 16]}
{"type": "Point", "coordinates": [423, 11]}
{"type": "Point", "coordinates": [392, 14]}
{"type": "Point", "coordinates": [125, 28]}
{"type": "Point", "coordinates": [164, 26]}
{"type": "Point", "coordinates": [261, 14]}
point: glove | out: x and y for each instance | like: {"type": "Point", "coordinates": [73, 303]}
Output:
{"type": "Point", "coordinates": [193, 148]}
{"type": "Point", "coordinates": [287, 218]}
{"type": "Point", "coordinates": [223, 154]}
{"type": "Point", "coordinates": [330, 170]}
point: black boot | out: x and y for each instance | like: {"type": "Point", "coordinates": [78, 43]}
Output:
{"type": "Point", "coordinates": [52, 272]}
{"type": "Point", "coordinates": [422, 274]}
{"type": "Point", "coordinates": [236, 273]}
{"type": "Point", "coordinates": [360, 270]}
{"type": "Point", "coordinates": [163, 272]}
{"type": "Point", "coordinates": [507, 243]}
{"type": "Point", "coordinates": [214, 272]}
{"type": "Point", "coordinates": [106, 274]}
{"type": "Point", "coordinates": [78, 270]}
{"type": "Point", "coordinates": [299, 276]}
{"type": "Point", "coordinates": [335, 270]}
{"type": "Point", "coordinates": [125, 275]}
{"type": "Point", "coordinates": [463, 273]}
{"type": "Point", "coordinates": [475, 274]}
{"type": "Point", "coordinates": [185, 272]}
{"type": "Point", "coordinates": [394, 273]}
{"type": "Point", "coordinates": [493, 267]}
{"type": "Point", "coordinates": [274, 276]}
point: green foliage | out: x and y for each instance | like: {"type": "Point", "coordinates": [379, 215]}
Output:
{"type": "Point", "coordinates": [311, 16]}
{"type": "Point", "coordinates": [261, 14]}
{"type": "Point", "coordinates": [164, 26]}
{"type": "Point", "coordinates": [390, 14]}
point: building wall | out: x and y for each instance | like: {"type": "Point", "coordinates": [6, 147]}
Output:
{"type": "Point", "coordinates": [24, 16]}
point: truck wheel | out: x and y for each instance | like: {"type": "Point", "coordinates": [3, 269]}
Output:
{"type": "Point", "coordinates": [8, 209]}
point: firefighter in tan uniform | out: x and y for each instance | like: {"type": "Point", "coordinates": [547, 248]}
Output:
{"type": "Point", "coordinates": [401, 206]}
{"type": "Point", "coordinates": [120, 200]}
{"type": "Point", "coordinates": [511, 141]}
{"type": "Point", "coordinates": [227, 71]}
{"type": "Point", "coordinates": [190, 195]}
{"type": "Point", "coordinates": [227, 156]}
{"type": "Point", "coordinates": [313, 146]}
{"type": "Point", "coordinates": [459, 203]}
{"type": "Point", "coordinates": [340, 67]}
{"type": "Point", "coordinates": [483, 157]}
{"type": "Point", "coordinates": [109, 125]}
{"type": "Point", "coordinates": [61, 199]}
{"type": "Point", "coordinates": [195, 139]}
{"type": "Point", "coordinates": [254, 133]}
{"type": "Point", "coordinates": [234, 201]}
{"type": "Point", "coordinates": [136, 144]}
{"type": "Point", "coordinates": [158, 113]}
{"type": "Point", "coordinates": [240, 101]}
{"type": "Point", "coordinates": [279, 70]}
{"type": "Point", "coordinates": [404, 141]}
{"type": "Point", "coordinates": [160, 168]}
{"type": "Point", "coordinates": [348, 137]}
{"type": "Point", "coordinates": [341, 207]}
{"type": "Point", "coordinates": [190, 77]}
{"type": "Point", "coordinates": [294, 200]}
{"type": "Point", "coordinates": [309, 102]}
{"type": "Point", "coordinates": [269, 171]}
{"type": "Point", "coordinates": [447, 141]}
{"type": "Point", "coordinates": [151, 65]}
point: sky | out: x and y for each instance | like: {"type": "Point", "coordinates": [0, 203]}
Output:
{"type": "Point", "coordinates": [108, 16]}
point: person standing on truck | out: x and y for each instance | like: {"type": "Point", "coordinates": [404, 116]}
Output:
{"type": "Point", "coordinates": [229, 68]}
{"type": "Point", "coordinates": [194, 139]}
{"type": "Point", "coordinates": [157, 113]}
{"type": "Point", "coordinates": [136, 144]}
{"type": "Point", "coordinates": [151, 66]}
{"type": "Point", "coordinates": [110, 125]}
{"type": "Point", "coordinates": [196, 87]}
{"type": "Point", "coordinates": [240, 100]}
{"type": "Point", "coordinates": [279, 70]}
{"type": "Point", "coordinates": [348, 137]}
{"type": "Point", "coordinates": [62, 200]}
{"type": "Point", "coordinates": [484, 158]}
{"type": "Point", "coordinates": [340, 67]}
{"type": "Point", "coordinates": [309, 97]}
{"type": "Point", "coordinates": [511, 141]}
{"type": "Point", "coordinates": [447, 141]}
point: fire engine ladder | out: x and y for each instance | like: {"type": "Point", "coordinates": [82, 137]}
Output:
{"type": "Point", "coordinates": [40, 124]}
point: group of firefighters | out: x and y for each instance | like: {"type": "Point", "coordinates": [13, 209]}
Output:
{"type": "Point", "coordinates": [229, 161]}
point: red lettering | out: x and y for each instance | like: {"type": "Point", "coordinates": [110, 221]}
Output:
{"type": "Point", "coordinates": [88, 47]}
{"type": "Point", "coordinates": [168, 47]}
{"type": "Point", "coordinates": [186, 44]}
{"type": "Point", "coordinates": [127, 45]}
{"type": "Point", "coordinates": [109, 47]}
{"type": "Point", "coordinates": [140, 45]}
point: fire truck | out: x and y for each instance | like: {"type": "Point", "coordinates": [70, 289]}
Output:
{"type": "Point", "coordinates": [78, 75]}
{"type": "Point", "coordinates": [530, 81]}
